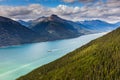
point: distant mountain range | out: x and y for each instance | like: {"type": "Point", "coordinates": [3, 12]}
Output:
{"type": "Point", "coordinates": [50, 28]}
{"type": "Point", "coordinates": [57, 28]}
{"type": "Point", "coordinates": [90, 25]}
{"type": "Point", "coordinates": [98, 25]}
{"type": "Point", "coordinates": [46, 29]}
{"type": "Point", "coordinates": [97, 60]}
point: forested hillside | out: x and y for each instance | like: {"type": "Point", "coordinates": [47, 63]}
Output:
{"type": "Point", "coordinates": [98, 60]}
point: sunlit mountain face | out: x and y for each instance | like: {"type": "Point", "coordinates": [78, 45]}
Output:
{"type": "Point", "coordinates": [76, 10]}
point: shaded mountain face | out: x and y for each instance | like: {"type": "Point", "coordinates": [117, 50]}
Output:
{"type": "Point", "coordinates": [97, 60]}
{"type": "Point", "coordinates": [98, 25]}
{"type": "Point", "coordinates": [24, 23]}
{"type": "Point", "coordinates": [42, 29]}
{"type": "Point", "coordinates": [118, 23]}
{"type": "Point", "coordinates": [13, 33]}
{"type": "Point", "coordinates": [56, 27]}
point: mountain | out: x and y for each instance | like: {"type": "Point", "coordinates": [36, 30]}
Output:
{"type": "Point", "coordinates": [34, 22]}
{"type": "Point", "coordinates": [39, 30]}
{"type": "Point", "coordinates": [55, 27]}
{"type": "Point", "coordinates": [118, 23]}
{"type": "Point", "coordinates": [97, 60]}
{"type": "Point", "coordinates": [13, 33]}
{"type": "Point", "coordinates": [24, 23]}
{"type": "Point", "coordinates": [98, 25]}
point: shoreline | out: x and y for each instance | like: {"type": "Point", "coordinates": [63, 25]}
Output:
{"type": "Point", "coordinates": [17, 45]}
{"type": "Point", "coordinates": [46, 58]}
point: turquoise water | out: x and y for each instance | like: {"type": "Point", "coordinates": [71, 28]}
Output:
{"type": "Point", "coordinates": [16, 61]}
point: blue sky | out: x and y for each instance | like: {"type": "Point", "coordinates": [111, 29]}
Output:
{"type": "Point", "coordinates": [76, 10]}
{"type": "Point", "coordinates": [48, 3]}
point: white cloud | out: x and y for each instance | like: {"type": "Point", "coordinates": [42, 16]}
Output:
{"type": "Point", "coordinates": [65, 10]}
{"type": "Point", "coordinates": [81, 1]}
{"type": "Point", "coordinates": [69, 1]}
{"type": "Point", "coordinates": [105, 11]}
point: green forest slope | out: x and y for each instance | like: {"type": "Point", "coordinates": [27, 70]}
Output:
{"type": "Point", "coordinates": [98, 60]}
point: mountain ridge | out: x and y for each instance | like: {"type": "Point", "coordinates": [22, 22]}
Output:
{"type": "Point", "coordinates": [42, 29]}
{"type": "Point", "coordinates": [14, 33]}
{"type": "Point", "coordinates": [98, 25]}
{"type": "Point", "coordinates": [93, 26]}
{"type": "Point", "coordinates": [56, 27]}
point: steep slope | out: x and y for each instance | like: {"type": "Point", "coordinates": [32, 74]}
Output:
{"type": "Point", "coordinates": [98, 60]}
{"type": "Point", "coordinates": [13, 33]}
{"type": "Point", "coordinates": [24, 23]}
{"type": "Point", "coordinates": [81, 28]}
{"type": "Point", "coordinates": [98, 25]}
{"type": "Point", "coordinates": [118, 23]}
{"type": "Point", "coordinates": [55, 27]}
